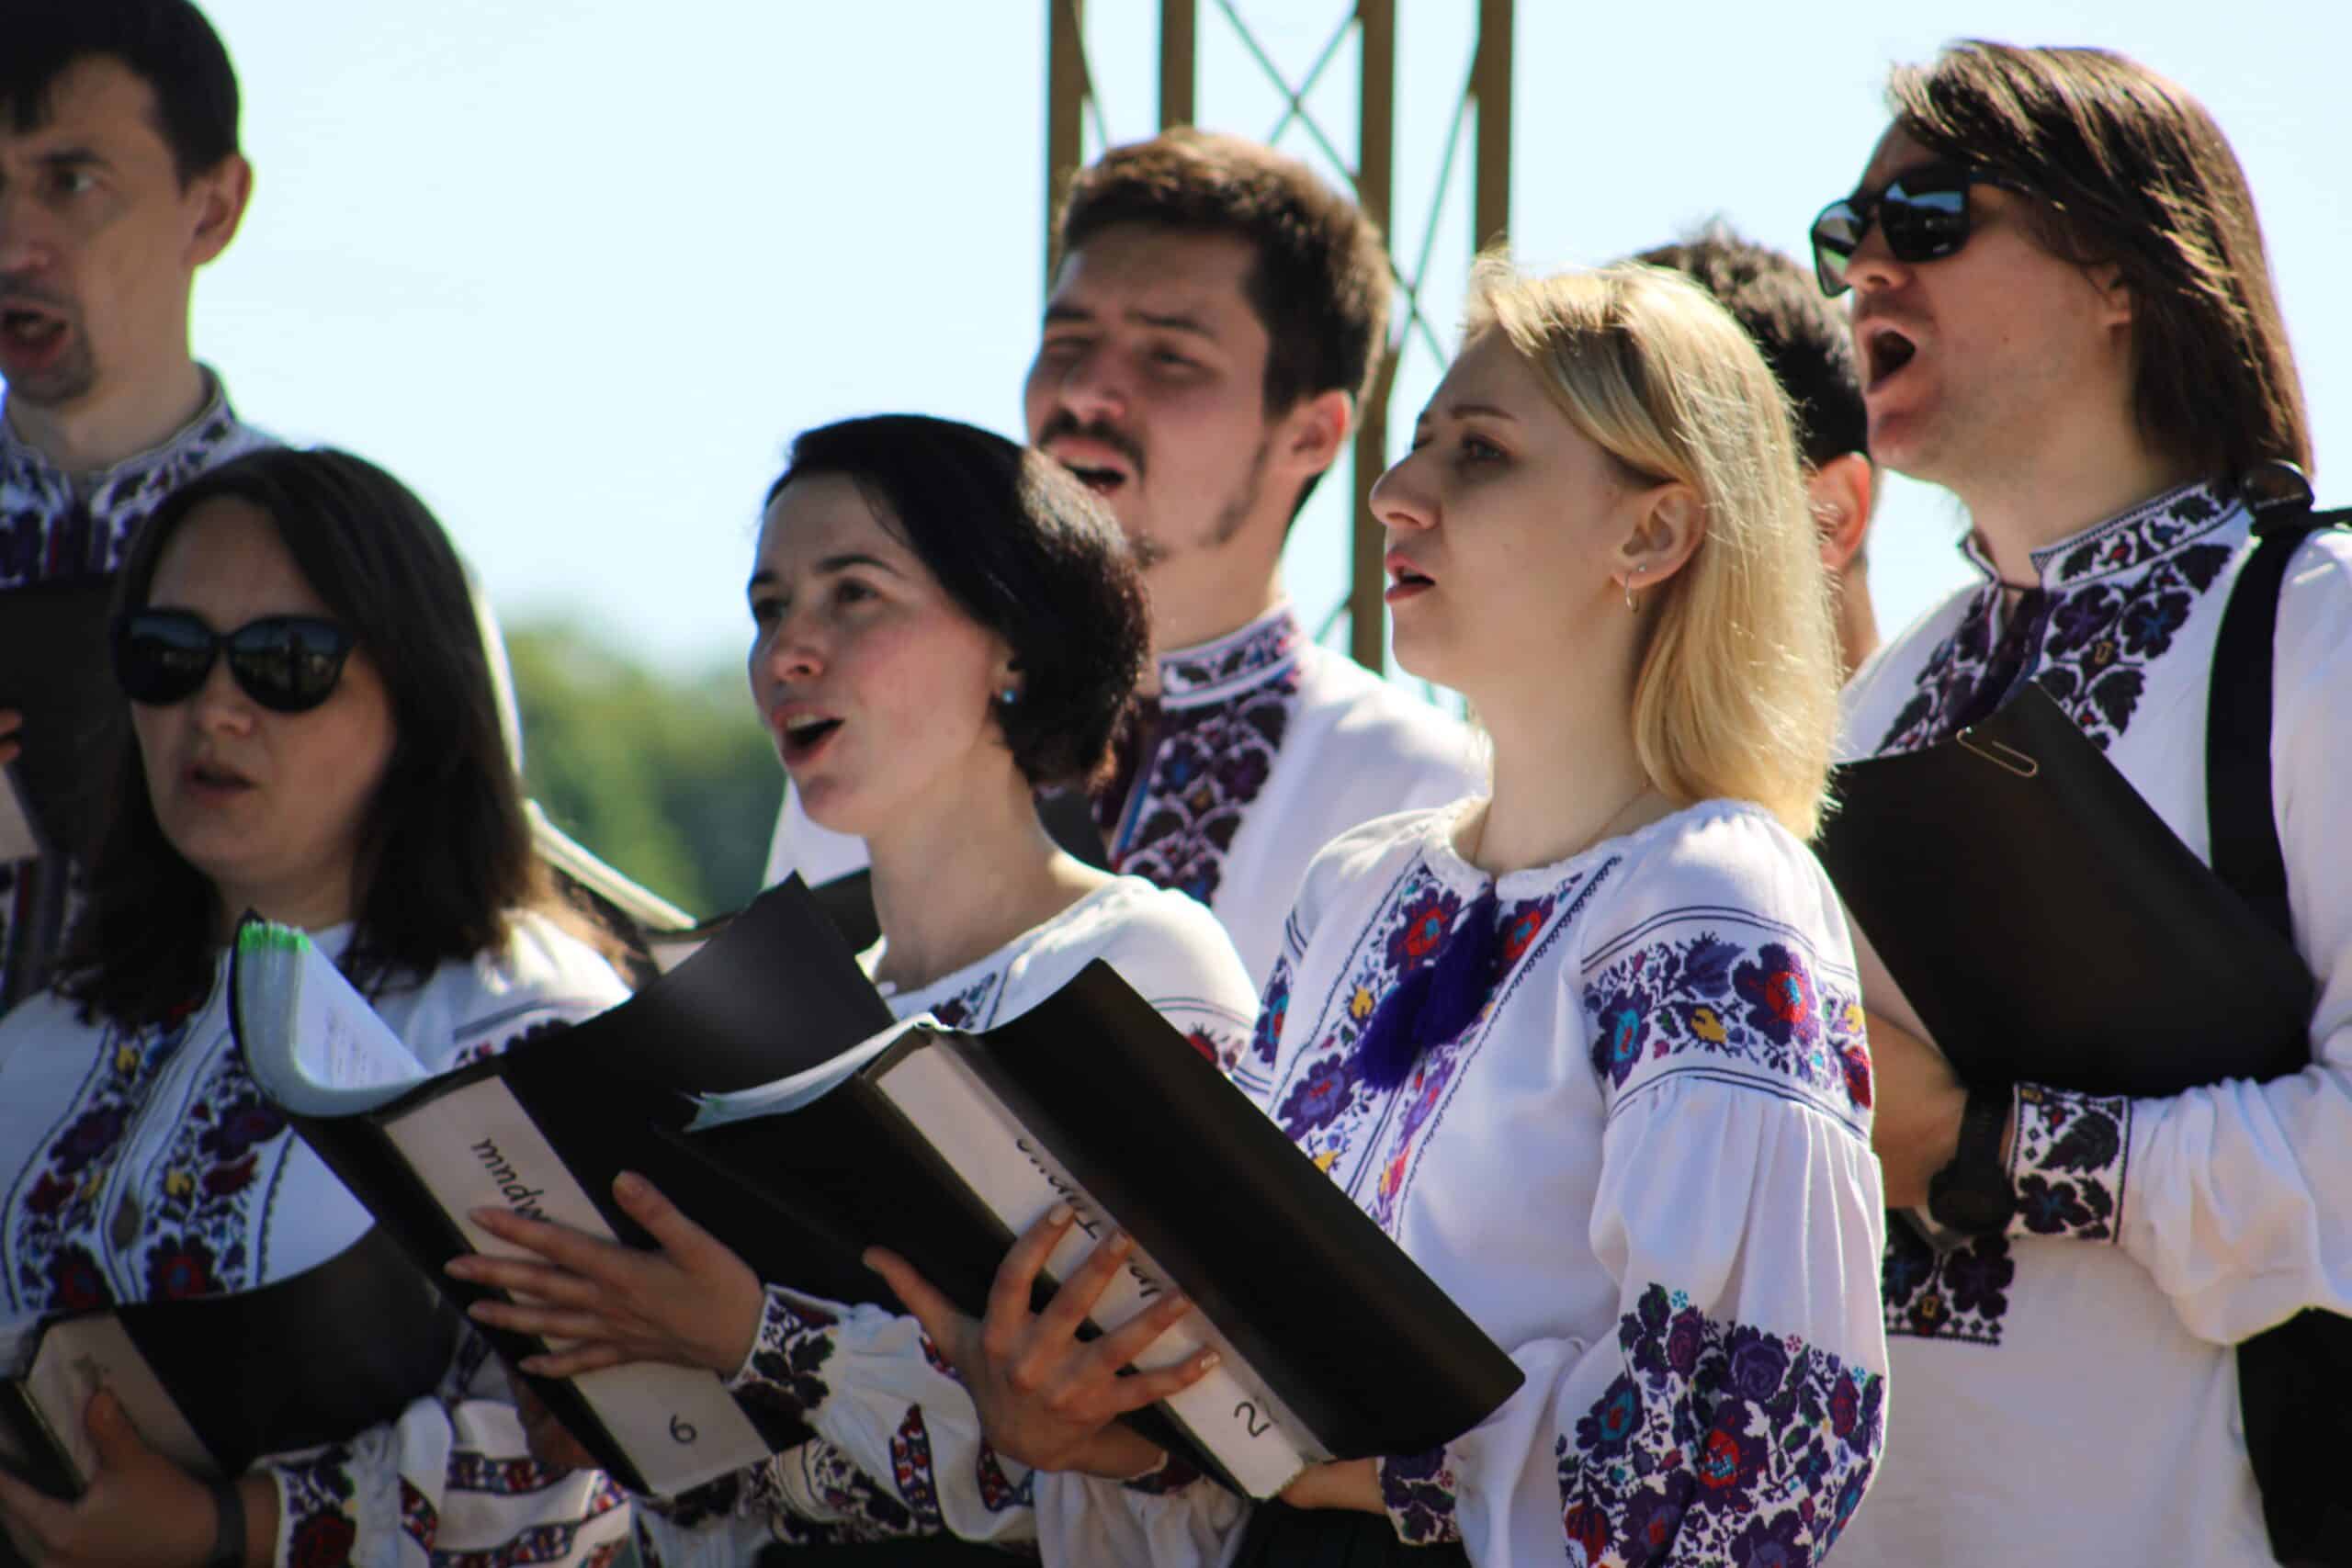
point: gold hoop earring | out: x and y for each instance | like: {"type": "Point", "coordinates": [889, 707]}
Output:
{"type": "Point", "coordinates": [1632, 606]}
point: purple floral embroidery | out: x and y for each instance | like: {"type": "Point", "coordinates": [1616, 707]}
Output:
{"type": "Point", "coordinates": [1719, 1443]}
{"type": "Point", "coordinates": [2071, 1153]}
{"type": "Point", "coordinates": [1705, 995]}
{"type": "Point", "coordinates": [1317, 1098]}
{"type": "Point", "coordinates": [2120, 594]}
{"type": "Point", "coordinates": [1418, 1490]}
{"type": "Point", "coordinates": [793, 1342]}
{"type": "Point", "coordinates": [1223, 712]}
{"type": "Point", "coordinates": [1960, 1293]}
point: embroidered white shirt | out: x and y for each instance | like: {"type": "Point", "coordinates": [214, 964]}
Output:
{"type": "Point", "coordinates": [881, 1401]}
{"type": "Point", "coordinates": [161, 1125]}
{"type": "Point", "coordinates": [1644, 1168]}
{"type": "Point", "coordinates": [2072, 1383]}
{"type": "Point", "coordinates": [1268, 746]}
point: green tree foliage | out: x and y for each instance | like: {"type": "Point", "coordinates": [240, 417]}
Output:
{"type": "Point", "coordinates": [671, 781]}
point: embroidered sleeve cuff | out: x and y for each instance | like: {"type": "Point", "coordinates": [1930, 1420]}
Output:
{"type": "Point", "coordinates": [794, 1342]}
{"type": "Point", "coordinates": [1418, 1490]}
{"type": "Point", "coordinates": [2068, 1163]}
{"type": "Point", "coordinates": [1172, 1473]}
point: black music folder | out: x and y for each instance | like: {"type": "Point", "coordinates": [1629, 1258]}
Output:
{"type": "Point", "coordinates": [2046, 924]}
{"type": "Point", "coordinates": [815, 1125]}
{"type": "Point", "coordinates": [218, 1382]}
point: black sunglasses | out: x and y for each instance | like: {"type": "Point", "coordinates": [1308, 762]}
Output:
{"type": "Point", "coordinates": [1924, 215]}
{"type": "Point", "coordinates": [286, 663]}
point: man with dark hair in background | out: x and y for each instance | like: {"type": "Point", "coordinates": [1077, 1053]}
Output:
{"type": "Point", "coordinates": [1805, 341]}
{"type": "Point", "coordinates": [1215, 315]}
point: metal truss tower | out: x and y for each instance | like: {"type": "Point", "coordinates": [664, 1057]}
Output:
{"type": "Point", "coordinates": [1484, 103]}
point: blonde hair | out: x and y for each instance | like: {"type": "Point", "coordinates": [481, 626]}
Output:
{"type": "Point", "coordinates": [1736, 695]}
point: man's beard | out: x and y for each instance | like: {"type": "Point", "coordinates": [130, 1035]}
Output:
{"type": "Point", "coordinates": [1149, 550]}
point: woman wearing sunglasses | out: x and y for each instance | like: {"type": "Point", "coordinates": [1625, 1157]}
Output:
{"type": "Point", "coordinates": [943, 623]}
{"type": "Point", "coordinates": [315, 738]}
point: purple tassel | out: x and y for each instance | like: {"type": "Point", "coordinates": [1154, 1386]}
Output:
{"type": "Point", "coordinates": [1436, 1001]}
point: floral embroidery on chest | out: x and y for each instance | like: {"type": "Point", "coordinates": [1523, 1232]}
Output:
{"type": "Point", "coordinates": [1369, 1139]}
{"type": "Point", "coordinates": [1224, 712]}
{"type": "Point", "coordinates": [57, 1228]}
{"type": "Point", "coordinates": [2117, 600]}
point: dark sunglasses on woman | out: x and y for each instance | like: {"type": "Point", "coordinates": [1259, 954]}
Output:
{"type": "Point", "coordinates": [1923, 213]}
{"type": "Point", "coordinates": [286, 663]}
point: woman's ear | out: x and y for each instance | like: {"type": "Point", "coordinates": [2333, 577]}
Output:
{"type": "Point", "coordinates": [1667, 522]}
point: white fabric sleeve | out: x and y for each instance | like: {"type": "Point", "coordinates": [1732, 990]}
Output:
{"type": "Point", "coordinates": [2236, 1197]}
{"type": "Point", "coordinates": [452, 1476]}
{"type": "Point", "coordinates": [1738, 1411]}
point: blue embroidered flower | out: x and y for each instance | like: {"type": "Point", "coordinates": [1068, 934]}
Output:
{"type": "Point", "coordinates": [1317, 1098]}
{"type": "Point", "coordinates": [1782, 1005]}
{"type": "Point", "coordinates": [2050, 1208]}
{"type": "Point", "coordinates": [245, 1123]}
{"type": "Point", "coordinates": [2147, 626]}
{"type": "Point", "coordinates": [1605, 1431]}
{"type": "Point", "coordinates": [1617, 1047]}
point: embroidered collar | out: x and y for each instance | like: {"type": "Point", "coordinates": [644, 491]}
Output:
{"type": "Point", "coordinates": [2154, 528]}
{"type": "Point", "coordinates": [1218, 670]}
{"type": "Point", "coordinates": [120, 496]}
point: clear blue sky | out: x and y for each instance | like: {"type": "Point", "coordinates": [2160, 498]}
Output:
{"type": "Point", "coordinates": [579, 270]}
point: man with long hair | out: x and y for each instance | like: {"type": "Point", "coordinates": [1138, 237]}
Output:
{"type": "Point", "coordinates": [2065, 317]}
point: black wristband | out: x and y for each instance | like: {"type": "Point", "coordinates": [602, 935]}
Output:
{"type": "Point", "coordinates": [228, 1525]}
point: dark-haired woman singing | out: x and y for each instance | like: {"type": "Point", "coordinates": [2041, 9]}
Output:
{"type": "Point", "coordinates": [315, 740]}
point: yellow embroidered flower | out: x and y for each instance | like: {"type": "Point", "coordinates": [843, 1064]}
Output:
{"type": "Point", "coordinates": [1324, 1161]}
{"type": "Point", "coordinates": [1854, 1018]}
{"type": "Point", "coordinates": [1708, 1027]}
{"type": "Point", "coordinates": [1360, 1006]}
{"type": "Point", "coordinates": [90, 1187]}
{"type": "Point", "coordinates": [125, 1061]}
{"type": "Point", "coordinates": [179, 1184]}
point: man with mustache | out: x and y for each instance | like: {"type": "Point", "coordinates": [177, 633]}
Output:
{"type": "Point", "coordinates": [120, 178]}
{"type": "Point", "coordinates": [1215, 315]}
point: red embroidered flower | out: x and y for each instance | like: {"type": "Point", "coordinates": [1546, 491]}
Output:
{"type": "Point", "coordinates": [75, 1283]}
{"type": "Point", "coordinates": [180, 1268]}
{"type": "Point", "coordinates": [49, 1194]}
{"type": "Point", "coordinates": [1202, 1042]}
{"type": "Point", "coordinates": [222, 1180]}
{"type": "Point", "coordinates": [1520, 930]}
{"type": "Point", "coordinates": [322, 1540]}
{"type": "Point", "coordinates": [1587, 1525]}
{"type": "Point", "coordinates": [1857, 1062]}
{"type": "Point", "coordinates": [1427, 921]}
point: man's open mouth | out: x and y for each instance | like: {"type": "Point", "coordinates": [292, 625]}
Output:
{"type": "Point", "coordinates": [1885, 351]}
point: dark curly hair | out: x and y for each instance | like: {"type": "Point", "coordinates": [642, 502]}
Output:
{"type": "Point", "coordinates": [445, 855]}
{"type": "Point", "coordinates": [1024, 549]}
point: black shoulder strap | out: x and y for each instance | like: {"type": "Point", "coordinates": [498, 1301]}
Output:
{"type": "Point", "coordinates": [2237, 723]}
